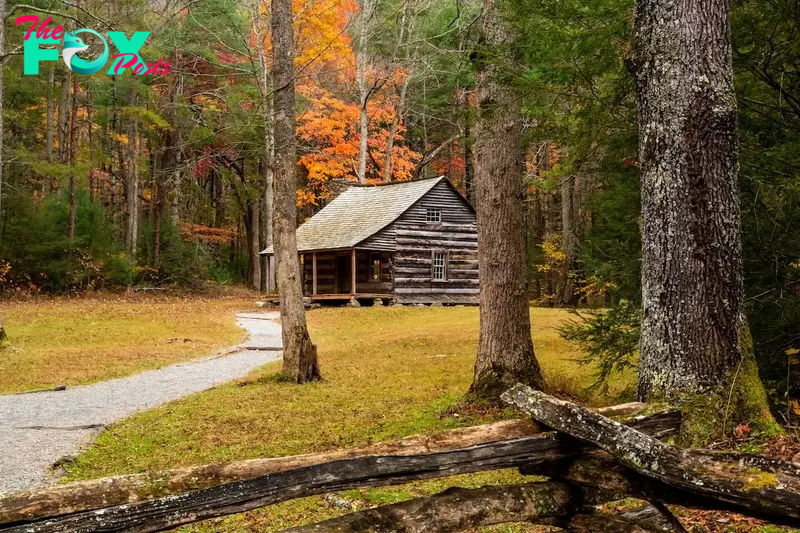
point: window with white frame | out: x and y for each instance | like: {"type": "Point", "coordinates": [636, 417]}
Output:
{"type": "Point", "coordinates": [433, 214]}
{"type": "Point", "coordinates": [439, 270]}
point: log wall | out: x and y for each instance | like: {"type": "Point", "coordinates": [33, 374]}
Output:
{"type": "Point", "coordinates": [416, 240]}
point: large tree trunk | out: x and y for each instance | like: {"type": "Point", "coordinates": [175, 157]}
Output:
{"type": "Point", "coordinates": [505, 349]}
{"type": "Point", "coordinates": [299, 353]}
{"type": "Point", "coordinates": [2, 65]}
{"type": "Point", "coordinates": [694, 338]}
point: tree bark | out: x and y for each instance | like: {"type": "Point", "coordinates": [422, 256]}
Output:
{"type": "Point", "coordinates": [362, 63]}
{"type": "Point", "coordinates": [567, 238]}
{"type": "Point", "coordinates": [158, 213]}
{"type": "Point", "coordinates": [50, 109]}
{"type": "Point", "coordinates": [253, 241]}
{"type": "Point", "coordinates": [265, 82]}
{"type": "Point", "coordinates": [132, 188]}
{"type": "Point", "coordinates": [2, 92]}
{"type": "Point", "coordinates": [469, 187]}
{"type": "Point", "coordinates": [694, 338]}
{"type": "Point", "coordinates": [753, 485]}
{"type": "Point", "coordinates": [73, 149]}
{"type": "Point", "coordinates": [63, 116]}
{"type": "Point", "coordinates": [299, 353]}
{"type": "Point", "coordinates": [399, 111]}
{"type": "Point", "coordinates": [406, 22]}
{"type": "Point", "coordinates": [505, 350]}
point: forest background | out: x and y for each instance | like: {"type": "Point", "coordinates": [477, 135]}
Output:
{"type": "Point", "coordinates": [111, 182]}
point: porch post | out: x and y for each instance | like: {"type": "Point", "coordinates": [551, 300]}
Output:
{"type": "Point", "coordinates": [353, 270]}
{"type": "Point", "coordinates": [314, 273]}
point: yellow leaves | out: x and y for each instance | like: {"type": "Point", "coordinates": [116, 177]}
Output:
{"type": "Point", "coordinates": [794, 405]}
{"type": "Point", "coordinates": [554, 256]}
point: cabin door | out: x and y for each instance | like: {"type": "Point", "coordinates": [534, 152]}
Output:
{"type": "Point", "coordinates": [343, 274]}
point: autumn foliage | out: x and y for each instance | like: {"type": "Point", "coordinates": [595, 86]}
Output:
{"type": "Point", "coordinates": [329, 110]}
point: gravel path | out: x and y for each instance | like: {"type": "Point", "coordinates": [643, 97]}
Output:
{"type": "Point", "coordinates": [39, 429]}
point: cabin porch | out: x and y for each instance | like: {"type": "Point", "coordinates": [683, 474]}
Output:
{"type": "Point", "coordinates": [343, 275]}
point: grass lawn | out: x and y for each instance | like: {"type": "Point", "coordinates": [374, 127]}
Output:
{"type": "Point", "coordinates": [72, 341]}
{"type": "Point", "coordinates": [389, 372]}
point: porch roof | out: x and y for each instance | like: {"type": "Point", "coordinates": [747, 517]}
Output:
{"type": "Point", "coordinates": [359, 213]}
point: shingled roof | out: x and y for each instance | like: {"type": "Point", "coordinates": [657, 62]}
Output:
{"type": "Point", "coordinates": [359, 213]}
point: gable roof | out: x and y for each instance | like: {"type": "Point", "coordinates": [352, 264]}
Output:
{"type": "Point", "coordinates": [359, 213]}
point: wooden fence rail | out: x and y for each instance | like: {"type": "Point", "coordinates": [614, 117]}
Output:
{"type": "Point", "coordinates": [144, 503]}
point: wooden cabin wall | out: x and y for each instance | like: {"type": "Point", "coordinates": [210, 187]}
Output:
{"type": "Point", "coordinates": [416, 240]}
{"type": "Point", "coordinates": [326, 273]}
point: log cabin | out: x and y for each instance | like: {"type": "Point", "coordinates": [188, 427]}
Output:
{"type": "Point", "coordinates": [413, 242]}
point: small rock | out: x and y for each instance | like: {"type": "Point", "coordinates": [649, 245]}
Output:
{"type": "Point", "coordinates": [339, 502]}
{"type": "Point", "coordinates": [353, 303]}
{"type": "Point", "coordinates": [377, 302]}
{"type": "Point", "coordinates": [437, 304]}
{"type": "Point", "coordinates": [64, 460]}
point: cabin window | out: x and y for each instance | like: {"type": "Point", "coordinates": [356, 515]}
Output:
{"type": "Point", "coordinates": [375, 260]}
{"type": "Point", "coordinates": [433, 214]}
{"type": "Point", "coordinates": [439, 270]}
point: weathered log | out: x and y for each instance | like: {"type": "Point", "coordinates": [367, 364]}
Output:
{"type": "Point", "coordinates": [639, 520]}
{"type": "Point", "coordinates": [757, 486]}
{"type": "Point", "coordinates": [118, 490]}
{"type": "Point", "coordinates": [457, 509]}
{"type": "Point", "coordinates": [619, 481]}
{"type": "Point", "coordinates": [593, 522]}
{"type": "Point", "coordinates": [359, 472]}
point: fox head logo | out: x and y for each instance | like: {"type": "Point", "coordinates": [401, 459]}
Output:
{"type": "Point", "coordinates": [126, 58]}
{"type": "Point", "coordinates": [73, 45]}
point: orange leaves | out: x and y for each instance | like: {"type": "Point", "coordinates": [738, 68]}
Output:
{"type": "Point", "coordinates": [329, 139]}
{"type": "Point", "coordinates": [320, 36]}
{"type": "Point", "coordinates": [198, 232]}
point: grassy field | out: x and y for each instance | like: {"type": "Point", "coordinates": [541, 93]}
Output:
{"type": "Point", "coordinates": [72, 341]}
{"type": "Point", "coordinates": [389, 372]}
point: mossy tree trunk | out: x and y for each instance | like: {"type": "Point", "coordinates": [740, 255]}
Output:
{"type": "Point", "coordinates": [694, 335]}
{"type": "Point", "coordinates": [505, 350]}
{"type": "Point", "coordinates": [299, 353]}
